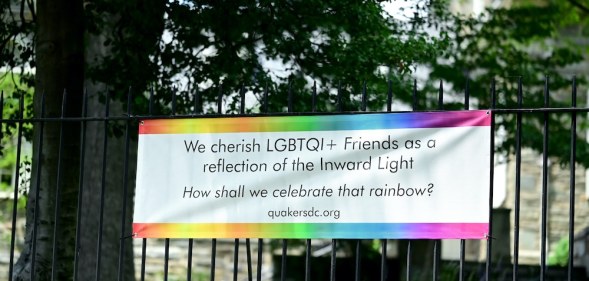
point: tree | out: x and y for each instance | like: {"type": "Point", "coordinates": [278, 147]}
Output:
{"type": "Point", "coordinates": [527, 42]}
{"type": "Point", "coordinates": [185, 48]}
{"type": "Point", "coordinates": [335, 41]}
{"type": "Point", "coordinates": [59, 68]}
{"type": "Point", "coordinates": [332, 42]}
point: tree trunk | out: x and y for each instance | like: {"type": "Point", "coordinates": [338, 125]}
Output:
{"type": "Point", "coordinates": [59, 58]}
{"type": "Point", "coordinates": [113, 183]}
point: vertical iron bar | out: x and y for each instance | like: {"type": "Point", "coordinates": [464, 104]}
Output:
{"type": "Point", "coordinates": [144, 240]}
{"type": "Point", "coordinates": [437, 242]}
{"type": "Point", "coordinates": [248, 255]}
{"type": "Point", "coordinates": [340, 107]}
{"type": "Point", "coordinates": [37, 186]}
{"type": "Point", "coordinates": [214, 241]}
{"type": "Point", "coordinates": [57, 209]}
{"type": "Point", "coordinates": [363, 105]}
{"type": "Point", "coordinates": [284, 241]}
{"type": "Point", "coordinates": [572, 162]}
{"type": "Point", "coordinates": [415, 101]}
{"type": "Point", "coordinates": [1, 136]}
{"type": "Point", "coordinates": [441, 96]}
{"type": "Point", "coordinates": [150, 108]}
{"type": "Point", "coordinates": [409, 260]}
{"type": "Point", "coordinates": [125, 186]}
{"type": "Point", "coordinates": [220, 100]}
{"type": "Point", "coordinates": [290, 97]}
{"type": "Point", "coordinates": [102, 186]}
{"type": "Point", "coordinates": [467, 95]}
{"type": "Point", "coordinates": [358, 252]}
{"type": "Point", "coordinates": [1, 113]}
{"type": "Point", "coordinates": [197, 102]}
{"type": "Point", "coordinates": [166, 257]}
{"type": "Point", "coordinates": [213, 258]}
{"type": "Point", "coordinates": [333, 251]}
{"type": "Point", "coordinates": [174, 101]}
{"type": "Point", "coordinates": [261, 241]}
{"type": "Point", "coordinates": [81, 183]}
{"type": "Point", "coordinates": [259, 265]}
{"type": "Point", "coordinates": [462, 253]}
{"type": "Point", "coordinates": [436, 268]}
{"type": "Point", "coordinates": [544, 183]}
{"type": "Point", "coordinates": [308, 260]}
{"type": "Point", "coordinates": [409, 254]}
{"type": "Point", "coordinates": [283, 264]}
{"type": "Point", "coordinates": [462, 241]}
{"type": "Point", "coordinates": [358, 270]}
{"type": "Point", "coordinates": [518, 162]}
{"type": "Point", "coordinates": [16, 183]}
{"type": "Point", "coordinates": [143, 254]}
{"type": "Point", "coordinates": [314, 97]}
{"type": "Point", "coordinates": [235, 259]}
{"type": "Point", "coordinates": [491, 175]}
{"type": "Point", "coordinates": [242, 99]}
{"type": "Point", "coordinates": [189, 262]}
{"type": "Point", "coordinates": [383, 260]}
{"type": "Point", "coordinates": [266, 98]}
{"type": "Point", "coordinates": [389, 95]}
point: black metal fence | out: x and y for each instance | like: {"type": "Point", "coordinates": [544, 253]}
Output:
{"type": "Point", "coordinates": [354, 264]}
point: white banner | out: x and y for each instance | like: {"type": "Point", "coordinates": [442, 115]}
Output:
{"type": "Point", "coordinates": [409, 175]}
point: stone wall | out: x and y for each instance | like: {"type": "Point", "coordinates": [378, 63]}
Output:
{"type": "Point", "coordinates": [531, 200]}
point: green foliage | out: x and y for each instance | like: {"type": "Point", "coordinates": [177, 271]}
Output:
{"type": "Point", "coordinates": [217, 46]}
{"type": "Point", "coordinates": [451, 271]}
{"type": "Point", "coordinates": [196, 276]}
{"type": "Point", "coordinates": [559, 256]}
{"type": "Point", "coordinates": [212, 48]}
{"type": "Point", "coordinates": [7, 163]}
{"type": "Point", "coordinates": [12, 88]}
{"type": "Point", "coordinates": [16, 31]}
{"type": "Point", "coordinates": [524, 43]}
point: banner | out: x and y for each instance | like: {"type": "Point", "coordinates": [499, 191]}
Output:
{"type": "Point", "coordinates": [385, 175]}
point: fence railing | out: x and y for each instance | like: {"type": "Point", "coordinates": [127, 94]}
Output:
{"type": "Point", "coordinates": [31, 243]}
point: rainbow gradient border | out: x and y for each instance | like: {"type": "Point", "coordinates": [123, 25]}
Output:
{"type": "Point", "coordinates": [313, 230]}
{"type": "Point", "coordinates": [317, 122]}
